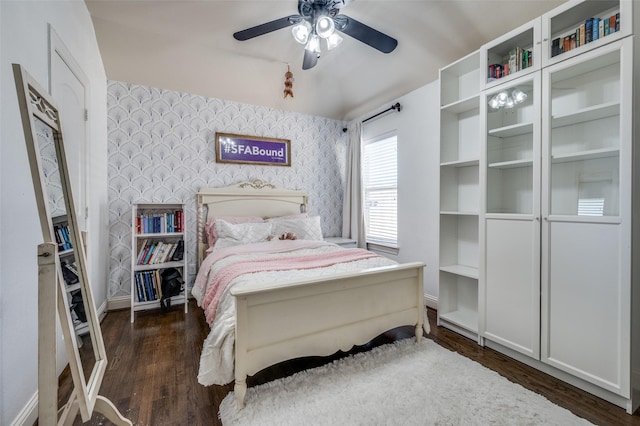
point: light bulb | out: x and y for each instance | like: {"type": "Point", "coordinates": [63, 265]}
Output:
{"type": "Point", "coordinates": [502, 98]}
{"type": "Point", "coordinates": [509, 103]}
{"type": "Point", "coordinates": [301, 32]}
{"type": "Point", "coordinates": [314, 45]}
{"type": "Point", "coordinates": [493, 102]}
{"type": "Point", "coordinates": [325, 27]}
{"type": "Point", "coordinates": [333, 40]}
{"type": "Point", "coordinates": [518, 96]}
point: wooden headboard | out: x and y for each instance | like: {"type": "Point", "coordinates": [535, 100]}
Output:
{"type": "Point", "coordinates": [255, 198]}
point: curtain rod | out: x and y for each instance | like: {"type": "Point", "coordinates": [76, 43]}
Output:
{"type": "Point", "coordinates": [392, 107]}
{"type": "Point", "coordinates": [396, 106]}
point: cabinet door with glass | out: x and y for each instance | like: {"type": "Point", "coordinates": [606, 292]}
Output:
{"type": "Point", "coordinates": [510, 231]}
{"type": "Point", "coordinates": [586, 208]}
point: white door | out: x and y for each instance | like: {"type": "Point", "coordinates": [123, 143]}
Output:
{"type": "Point", "coordinates": [68, 89]}
{"type": "Point", "coordinates": [586, 209]}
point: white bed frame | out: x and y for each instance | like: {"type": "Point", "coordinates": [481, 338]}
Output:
{"type": "Point", "coordinates": [315, 317]}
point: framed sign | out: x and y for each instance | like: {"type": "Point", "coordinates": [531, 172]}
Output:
{"type": "Point", "coordinates": [252, 150]}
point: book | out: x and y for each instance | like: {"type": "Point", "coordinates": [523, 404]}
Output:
{"type": "Point", "coordinates": [555, 47]}
{"type": "Point", "coordinates": [158, 284]}
{"type": "Point", "coordinates": [582, 34]}
{"type": "Point", "coordinates": [70, 273]}
{"type": "Point", "coordinates": [617, 21]}
{"type": "Point", "coordinates": [179, 253]}
{"type": "Point", "coordinates": [149, 253]}
{"type": "Point", "coordinates": [156, 252]}
{"type": "Point", "coordinates": [139, 287]}
{"type": "Point", "coordinates": [142, 251]}
{"type": "Point", "coordinates": [588, 30]}
{"type": "Point", "coordinates": [595, 26]}
{"type": "Point", "coordinates": [600, 28]}
{"type": "Point", "coordinates": [612, 24]}
{"type": "Point", "coordinates": [606, 27]}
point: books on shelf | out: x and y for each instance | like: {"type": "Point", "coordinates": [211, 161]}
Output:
{"type": "Point", "coordinates": [154, 252]}
{"type": "Point", "coordinates": [518, 59]}
{"type": "Point", "coordinates": [70, 273]}
{"type": "Point", "coordinates": [148, 286]}
{"type": "Point", "coordinates": [61, 233]}
{"type": "Point", "coordinates": [160, 223]}
{"type": "Point", "coordinates": [591, 30]}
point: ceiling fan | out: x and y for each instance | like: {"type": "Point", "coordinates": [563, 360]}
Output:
{"type": "Point", "coordinates": [321, 19]}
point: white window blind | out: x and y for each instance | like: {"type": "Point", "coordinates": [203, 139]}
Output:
{"type": "Point", "coordinates": [380, 179]}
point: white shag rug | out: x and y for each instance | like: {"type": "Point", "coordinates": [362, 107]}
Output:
{"type": "Point", "coordinates": [401, 383]}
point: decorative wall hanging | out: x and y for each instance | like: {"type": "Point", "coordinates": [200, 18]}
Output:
{"type": "Point", "coordinates": [242, 149]}
{"type": "Point", "coordinates": [288, 83]}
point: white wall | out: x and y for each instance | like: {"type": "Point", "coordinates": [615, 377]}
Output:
{"type": "Point", "coordinates": [417, 127]}
{"type": "Point", "coordinates": [24, 40]}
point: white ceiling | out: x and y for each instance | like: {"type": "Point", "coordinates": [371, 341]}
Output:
{"type": "Point", "coordinates": [188, 46]}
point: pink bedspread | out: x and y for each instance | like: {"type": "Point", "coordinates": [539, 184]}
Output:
{"type": "Point", "coordinates": [227, 274]}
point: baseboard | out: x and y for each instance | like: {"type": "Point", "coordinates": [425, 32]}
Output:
{"type": "Point", "coordinates": [29, 413]}
{"type": "Point", "coordinates": [431, 301]}
{"type": "Point", "coordinates": [116, 303]}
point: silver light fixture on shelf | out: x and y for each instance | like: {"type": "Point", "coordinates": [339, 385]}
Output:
{"type": "Point", "coordinates": [506, 99]}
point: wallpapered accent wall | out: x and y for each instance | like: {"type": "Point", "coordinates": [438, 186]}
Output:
{"type": "Point", "coordinates": [161, 150]}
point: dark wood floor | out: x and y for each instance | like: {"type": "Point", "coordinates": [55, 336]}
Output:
{"type": "Point", "coordinates": [153, 365]}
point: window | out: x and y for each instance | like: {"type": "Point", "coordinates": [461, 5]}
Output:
{"type": "Point", "coordinates": [380, 181]}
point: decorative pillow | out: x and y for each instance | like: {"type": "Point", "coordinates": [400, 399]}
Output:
{"type": "Point", "coordinates": [304, 229]}
{"type": "Point", "coordinates": [210, 226]}
{"type": "Point", "coordinates": [289, 217]}
{"type": "Point", "coordinates": [242, 233]}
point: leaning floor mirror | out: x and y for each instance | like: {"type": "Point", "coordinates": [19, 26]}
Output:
{"type": "Point", "coordinates": [62, 270]}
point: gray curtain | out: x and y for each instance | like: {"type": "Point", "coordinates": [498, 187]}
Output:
{"type": "Point", "coordinates": [352, 210]}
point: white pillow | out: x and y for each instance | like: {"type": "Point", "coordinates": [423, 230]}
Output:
{"type": "Point", "coordinates": [230, 234]}
{"type": "Point", "coordinates": [304, 229]}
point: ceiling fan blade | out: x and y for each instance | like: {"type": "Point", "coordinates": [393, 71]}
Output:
{"type": "Point", "coordinates": [366, 34]}
{"type": "Point", "coordinates": [339, 4]}
{"type": "Point", "coordinates": [265, 28]}
{"type": "Point", "coordinates": [310, 59]}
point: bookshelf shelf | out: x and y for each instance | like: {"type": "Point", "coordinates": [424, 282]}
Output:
{"type": "Point", "coordinates": [158, 243]}
{"type": "Point", "coordinates": [596, 112]}
{"type": "Point", "coordinates": [463, 105]}
{"type": "Point", "coordinates": [511, 164]}
{"type": "Point", "coordinates": [512, 130]}
{"type": "Point", "coordinates": [466, 271]}
{"type": "Point", "coordinates": [456, 213]}
{"type": "Point", "coordinates": [586, 155]}
{"type": "Point", "coordinates": [465, 318]}
{"type": "Point", "coordinates": [461, 163]}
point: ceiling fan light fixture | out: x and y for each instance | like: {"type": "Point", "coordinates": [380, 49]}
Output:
{"type": "Point", "coordinates": [314, 45]}
{"type": "Point", "coordinates": [301, 32]}
{"type": "Point", "coordinates": [325, 27]}
{"type": "Point", "coordinates": [333, 41]}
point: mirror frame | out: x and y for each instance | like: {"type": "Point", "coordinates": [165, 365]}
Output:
{"type": "Point", "coordinates": [35, 103]}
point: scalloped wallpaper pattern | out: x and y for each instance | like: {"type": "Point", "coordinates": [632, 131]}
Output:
{"type": "Point", "coordinates": [161, 150]}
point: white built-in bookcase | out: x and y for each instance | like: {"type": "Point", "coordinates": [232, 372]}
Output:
{"type": "Point", "coordinates": [459, 194]}
{"type": "Point", "coordinates": [537, 200]}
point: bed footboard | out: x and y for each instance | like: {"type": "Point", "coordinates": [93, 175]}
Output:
{"type": "Point", "coordinates": [318, 317]}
